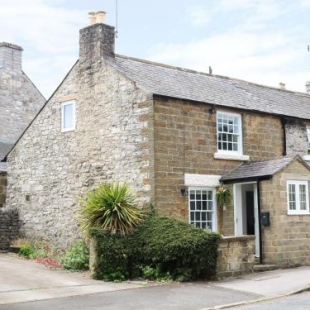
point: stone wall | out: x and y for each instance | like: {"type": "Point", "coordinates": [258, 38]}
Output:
{"type": "Point", "coordinates": [185, 135]}
{"type": "Point", "coordinates": [286, 240]}
{"type": "Point", "coordinates": [3, 185]}
{"type": "Point", "coordinates": [8, 227]}
{"type": "Point", "coordinates": [50, 170]}
{"type": "Point", "coordinates": [236, 256]}
{"type": "Point", "coordinates": [296, 137]}
{"type": "Point", "coordinates": [20, 100]}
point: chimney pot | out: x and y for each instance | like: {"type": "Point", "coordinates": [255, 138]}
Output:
{"type": "Point", "coordinates": [92, 18]}
{"type": "Point", "coordinates": [100, 17]}
{"type": "Point", "coordinates": [308, 87]}
{"type": "Point", "coordinates": [282, 85]}
{"type": "Point", "coordinates": [96, 41]}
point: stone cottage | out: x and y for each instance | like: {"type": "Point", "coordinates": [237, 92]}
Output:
{"type": "Point", "coordinates": [20, 101]}
{"type": "Point", "coordinates": [174, 135]}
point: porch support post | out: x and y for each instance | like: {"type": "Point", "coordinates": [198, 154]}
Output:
{"type": "Point", "coordinates": [259, 224]}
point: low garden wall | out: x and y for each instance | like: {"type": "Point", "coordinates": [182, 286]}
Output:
{"type": "Point", "coordinates": [236, 256]}
{"type": "Point", "coordinates": [8, 228]}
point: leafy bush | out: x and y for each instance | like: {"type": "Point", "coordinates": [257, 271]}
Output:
{"type": "Point", "coordinates": [154, 273]}
{"type": "Point", "coordinates": [77, 257]}
{"type": "Point", "coordinates": [110, 207]}
{"type": "Point", "coordinates": [27, 250]}
{"type": "Point", "coordinates": [160, 247]}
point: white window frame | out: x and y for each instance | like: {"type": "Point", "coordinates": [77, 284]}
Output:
{"type": "Point", "coordinates": [239, 143]}
{"type": "Point", "coordinates": [63, 105]}
{"type": "Point", "coordinates": [214, 211]}
{"type": "Point", "coordinates": [298, 210]}
{"type": "Point", "coordinates": [227, 154]}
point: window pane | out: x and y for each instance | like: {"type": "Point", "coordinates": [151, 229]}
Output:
{"type": "Point", "coordinates": [298, 197]}
{"type": "Point", "coordinates": [204, 195]}
{"type": "Point", "coordinates": [204, 205]}
{"type": "Point", "coordinates": [292, 197]}
{"type": "Point", "coordinates": [68, 116]}
{"type": "Point", "coordinates": [201, 208]}
{"type": "Point", "coordinates": [228, 128]}
{"type": "Point", "coordinates": [203, 216]}
{"type": "Point", "coordinates": [198, 195]}
{"type": "Point", "coordinates": [192, 205]}
{"type": "Point", "coordinates": [198, 205]}
{"type": "Point", "coordinates": [192, 217]}
{"type": "Point", "coordinates": [197, 216]}
{"type": "Point", "coordinates": [302, 197]}
{"type": "Point", "coordinates": [192, 195]}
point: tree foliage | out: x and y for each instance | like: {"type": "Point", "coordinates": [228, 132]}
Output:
{"type": "Point", "coordinates": [110, 207]}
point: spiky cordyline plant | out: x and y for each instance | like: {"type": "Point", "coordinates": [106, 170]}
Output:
{"type": "Point", "coordinates": [110, 207]}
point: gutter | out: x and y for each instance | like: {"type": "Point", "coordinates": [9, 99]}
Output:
{"type": "Point", "coordinates": [283, 123]}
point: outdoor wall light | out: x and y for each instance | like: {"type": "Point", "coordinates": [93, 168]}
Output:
{"type": "Point", "coordinates": [211, 110]}
{"type": "Point", "coordinates": [184, 191]}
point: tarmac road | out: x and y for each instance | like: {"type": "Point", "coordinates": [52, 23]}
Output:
{"type": "Point", "coordinates": [293, 302]}
{"type": "Point", "coordinates": [181, 296]}
{"type": "Point", "coordinates": [26, 284]}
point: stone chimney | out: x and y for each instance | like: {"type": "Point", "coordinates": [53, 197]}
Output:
{"type": "Point", "coordinates": [10, 57]}
{"type": "Point", "coordinates": [308, 87]}
{"type": "Point", "coordinates": [97, 40]}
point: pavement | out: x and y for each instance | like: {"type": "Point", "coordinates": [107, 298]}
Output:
{"type": "Point", "coordinates": [23, 281]}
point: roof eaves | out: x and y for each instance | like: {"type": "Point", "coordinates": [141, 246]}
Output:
{"type": "Point", "coordinates": [247, 179]}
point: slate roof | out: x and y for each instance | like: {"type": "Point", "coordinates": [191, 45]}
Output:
{"type": "Point", "coordinates": [223, 91]}
{"type": "Point", "coordinates": [4, 149]}
{"type": "Point", "coordinates": [259, 170]}
{"type": "Point", "coordinates": [3, 167]}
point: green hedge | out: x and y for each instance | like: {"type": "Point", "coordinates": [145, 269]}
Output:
{"type": "Point", "coordinates": [161, 247]}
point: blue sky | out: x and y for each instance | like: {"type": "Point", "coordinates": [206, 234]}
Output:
{"type": "Point", "coordinates": [262, 41]}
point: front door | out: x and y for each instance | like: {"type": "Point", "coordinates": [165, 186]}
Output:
{"type": "Point", "coordinates": [246, 211]}
{"type": "Point", "coordinates": [250, 214]}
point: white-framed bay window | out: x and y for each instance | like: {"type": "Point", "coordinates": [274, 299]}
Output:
{"type": "Point", "coordinates": [297, 197]}
{"type": "Point", "coordinates": [68, 115]}
{"type": "Point", "coordinates": [202, 207]}
{"type": "Point", "coordinates": [229, 136]}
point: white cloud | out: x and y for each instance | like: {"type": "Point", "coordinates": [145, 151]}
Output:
{"type": "Point", "coordinates": [305, 3]}
{"type": "Point", "coordinates": [247, 46]}
{"type": "Point", "coordinates": [198, 16]}
{"type": "Point", "coordinates": [48, 35]}
{"type": "Point", "coordinates": [260, 58]}
{"type": "Point", "coordinates": [235, 37]}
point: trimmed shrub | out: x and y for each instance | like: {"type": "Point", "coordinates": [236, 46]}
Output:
{"type": "Point", "coordinates": [160, 247]}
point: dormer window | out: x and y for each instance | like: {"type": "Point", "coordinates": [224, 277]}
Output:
{"type": "Point", "coordinates": [68, 116]}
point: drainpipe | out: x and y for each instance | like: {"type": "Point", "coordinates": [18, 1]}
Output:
{"type": "Point", "coordinates": [283, 123]}
{"type": "Point", "coordinates": [259, 224]}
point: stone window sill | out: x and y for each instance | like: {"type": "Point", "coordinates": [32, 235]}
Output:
{"type": "Point", "coordinates": [228, 156]}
